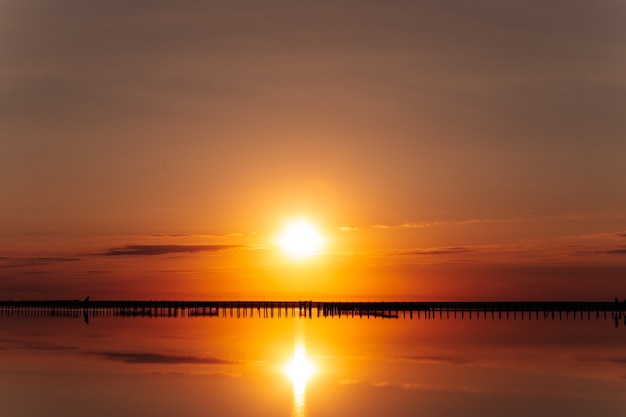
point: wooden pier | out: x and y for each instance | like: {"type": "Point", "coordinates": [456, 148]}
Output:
{"type": "Point", "coordinates": [516, 310]}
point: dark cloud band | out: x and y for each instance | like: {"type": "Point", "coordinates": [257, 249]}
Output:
{"type": "Point", "coordinates": [152, 250]}
{"type": "Point", "coordinates": [157, 358]}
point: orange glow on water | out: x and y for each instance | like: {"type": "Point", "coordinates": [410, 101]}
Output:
{"type": "Point", "coordinates": [299, 369]}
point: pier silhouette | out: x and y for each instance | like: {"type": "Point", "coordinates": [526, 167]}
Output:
{"type": "Point", "coordinates": [470, 310]}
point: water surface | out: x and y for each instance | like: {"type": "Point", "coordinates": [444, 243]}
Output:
{"type": "Point", "coordinates": [225, 366]}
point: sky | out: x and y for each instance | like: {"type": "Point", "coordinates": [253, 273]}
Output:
{"type": "Point", "coordinates": [446, 149]}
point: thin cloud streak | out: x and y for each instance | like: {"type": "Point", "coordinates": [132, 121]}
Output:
{"type": "Point", "coordinates": [196, 235]}
{"type": "Point", "coordinates": [438, 251]}
{"type": "Point", "coordinates": [154, 250]}
{"type": "Point", "coordinates": [618, 251]}
{"type": "Point", "coordinates": [448, 360]}
{"type": "Point", "coordinates": [485, 220]}
{"type": "Point", "coordinates": [158, 358]}
{"type": "Point", "coordinates": [421, 225]}
{"type": "Point", "coordinates": [26, 262]}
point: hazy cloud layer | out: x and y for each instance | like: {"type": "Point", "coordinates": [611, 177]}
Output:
{"type": "Point", "coordinates": [616, 252]}
{"type": "Point", "coordinates": [424, 224]}
{"type": "Point", "coordinates": [194, 235]}
{"type": "Point", "coordinates": [151, 250]}
{"type": "Point", "coordinates": [423, 91]}
{"type": "Point", "coordinates": [449, 360]}
{"type": "Point", "coordinates": [607, 251]}
{"type": "Point", "coordinates": [26, 262]}
{"type": "Point", "coordinates": [158, 358]}
{"type": "Point", "coordinates": [439, 251]}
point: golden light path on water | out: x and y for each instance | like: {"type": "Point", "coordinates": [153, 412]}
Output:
{"type": "Point", "coordinates": [299, 369]}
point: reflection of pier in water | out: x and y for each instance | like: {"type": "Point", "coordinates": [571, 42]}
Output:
{"type": "Point", "coordinates": [522, 310]}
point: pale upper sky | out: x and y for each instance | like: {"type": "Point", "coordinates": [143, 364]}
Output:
{"type": "Point", "coordinates": [414, 126]}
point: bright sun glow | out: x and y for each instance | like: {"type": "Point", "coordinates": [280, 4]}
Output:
{"type": "Point", "coordinates": [300, 239]}
{"type": "Point", "coordinates": [300, 370]}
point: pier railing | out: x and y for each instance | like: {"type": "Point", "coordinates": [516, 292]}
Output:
{"type": "Point", "coordinates": [523, 310]}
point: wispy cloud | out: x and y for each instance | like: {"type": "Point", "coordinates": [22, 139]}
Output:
{"type": "Point", "coordinates": [448, 360]}
{"type": "Point", "coordinates": [485, 220]}
{"type": "Point", "coordinates": [621, 251]}
{"type": "Point", "coordinates": [608, 251]}
{"type": "Point", "coordinates": [194, 235]}
{"type": "Point", "coordinates": [158, 358]}
{"type": "Point", "coordinates": [438, 251]}
{"type": "Point", "coordinates": [26, 262]}
{"type": "Point", "coordinates": [406, 225]}
{"type": "Point", "coordinates": [152, 250]}
{"type": "Point", "coordinates": [423, 224]}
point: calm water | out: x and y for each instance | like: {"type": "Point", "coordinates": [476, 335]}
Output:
{"type": "Point", "coordinates": [310, 367]}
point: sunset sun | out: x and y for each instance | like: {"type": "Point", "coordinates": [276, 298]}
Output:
{"type": "Point", "coordinates": [300, 239]}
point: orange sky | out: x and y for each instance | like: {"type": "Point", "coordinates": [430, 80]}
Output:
{"type": "Point", "coordinates": [446, 149]}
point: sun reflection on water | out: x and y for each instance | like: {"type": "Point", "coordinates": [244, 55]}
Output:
{"type": "Point", "coordinates": [299, 369]}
